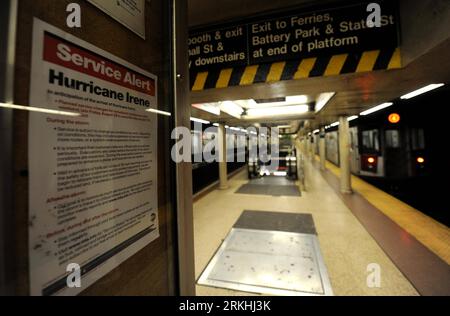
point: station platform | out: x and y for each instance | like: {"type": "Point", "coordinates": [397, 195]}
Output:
{"type": "Point", "coordinates": [368, 227]}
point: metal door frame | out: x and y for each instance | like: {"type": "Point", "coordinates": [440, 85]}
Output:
{"type": "Point", "coordinates": [8, 24]}
{"type": "Point", "coordinates": [182, 111]}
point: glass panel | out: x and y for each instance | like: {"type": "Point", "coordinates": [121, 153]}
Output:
{"type": "Point", "coordinates": [393, 139]}
{"type": "Point", "coordinates": [92, 120]}
{"type": "Point", "coordinates": [418, 139]}
{"type": "Point", "coordinates": [370, 140]}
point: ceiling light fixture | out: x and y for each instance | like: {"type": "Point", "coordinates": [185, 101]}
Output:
{"type": "Point", "coordinates": [231, 108]}
{"type": "Point", "coordinates": [193, 119]}
{"type": "Point", "coordinates": [422, 91]}
{"type": "Point", "coordinates": [377, 108]}
{"type": "Point", "coordinates": [335, 124]}
{"type": "Point", "coordinates": [212, 108]}
{"type": "Point", "coordinates": [323, 100]}
{"type": "Point", "coordinates": [277, 111]}
{"type": "Point", "coordinates": [297, 99]}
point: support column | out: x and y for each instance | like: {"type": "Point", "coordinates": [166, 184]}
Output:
{"type": "Point", "coordinates": [223, 172]}
{"type": "Point", "coordinates": [322, 149]}
{"type": "Point", "coordinates": [344, 151]}
{"type": "Point", "coordinates": [308, 147]}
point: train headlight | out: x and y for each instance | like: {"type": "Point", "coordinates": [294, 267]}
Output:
{"type": "Point", "coordinates": [371, 160]}
{"type": "Point", "coordinates": [420, 160]}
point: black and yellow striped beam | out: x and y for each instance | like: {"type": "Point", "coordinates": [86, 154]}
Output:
{"type": "Point", "coordinates": [293, 70]}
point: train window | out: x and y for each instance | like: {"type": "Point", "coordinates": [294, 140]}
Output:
{"type": "Point", "coordinates": [392, 138]}
{"type": "Point", "coordinates": [417, 139]}
{"type": "Point", "coordinates": [370, 140]}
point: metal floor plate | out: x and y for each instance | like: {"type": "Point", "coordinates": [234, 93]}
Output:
{"type": "Point", "coordinates": [271, 190]}
{"type": "Point", "coordinates": [268, 262]}
{"type": "Point", "coordinates": [272, 186]}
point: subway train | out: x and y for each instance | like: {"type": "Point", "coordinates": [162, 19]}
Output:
{"type": "Point", "coordinates": [205, 173]}
{"type": "Point", "coordinates": [381, 151]}
{"type": "Point", "coordinates": [402, 150]}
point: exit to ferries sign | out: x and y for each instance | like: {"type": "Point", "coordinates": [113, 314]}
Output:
{"type": "Point", "coordinates": [316, 36]}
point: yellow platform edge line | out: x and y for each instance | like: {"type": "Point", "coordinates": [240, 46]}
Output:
{"type": "Point", "coordinates": [432, 234]}
{"type": "Point", "coordinates": [249, 75]}
{"type": "Point", "coordinates": [305, 67]}
{"type": "Point", "coordinates": [276, 70]}
{"type": "Point", "coordinates": [367, 61]}
{"type": "Point", "coordinates": [335, 65]}
{"type": "Point", "coordinates": [200, 81]}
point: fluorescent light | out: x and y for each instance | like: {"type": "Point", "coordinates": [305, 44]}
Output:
{"type": "Point", "coordinates": [159, 112]}
{"type": "Point", "coordinates": [352, 118]}
{"type": "Point", "coordinates": [284, 126]}
{"type": "Point", "coordinates": [231, 108]}
{"type": "Point", "coordinates": [334, 124]}
{"type": "Point", "coordinates": [193, 119]}
{"type": "Point", "coordinates": [422, 91]}
{"type": "Point", "coordinates": [280, 173]}
{"type": "Point", "coordinates": [323, 100]}
{"type": "Point", "coordinates": [316, 131]}
{"type": "Point", "coordinates": [35, 109]}
{"type": "Point", "coordinates": [276, 111]}
{"type": "Point", "coordinates": [212, 108]}
{"type": "Point", "coordinates": [297, 99]}
{"type": "Point", "coordinates": [377, 108]}
{"type": "Point", "coordinates": [216, 124]}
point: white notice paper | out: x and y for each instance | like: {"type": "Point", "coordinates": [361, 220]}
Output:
{"type": "Point", "coordinates": [130, 13]}
{"type": "Point", "coordinates": [92, 161]}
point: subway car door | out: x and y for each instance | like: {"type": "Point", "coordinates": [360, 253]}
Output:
{"type": "Point", "coordinates": [395, 154]}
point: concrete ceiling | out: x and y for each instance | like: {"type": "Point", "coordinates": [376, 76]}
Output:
{"type": "Point", "coordinates": [203, 12]}
{"type": "Point", "coordinates": [426, 60]}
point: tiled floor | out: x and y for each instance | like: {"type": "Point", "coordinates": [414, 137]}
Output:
{"type": "Point", "coordinates": [346, 246]}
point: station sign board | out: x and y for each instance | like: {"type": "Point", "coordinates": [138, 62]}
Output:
{"type": "Point", "coordinates": [292, 35]}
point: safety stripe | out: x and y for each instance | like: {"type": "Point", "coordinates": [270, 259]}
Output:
{"type": "Point", "coordinates": [368, 60]}
{"type": "Point", "coordinates": [236, 76]}
{"type": "Point", "coordinates": [249, 75]}
{"type": "Point", "coordinates": [354, 62]}
{"type": "Point", "coordinates": [351, 63]}
{"type": "Point", "coordinates": [200, 81]}
{"type": "Point", "coordinates": [290, 69]}
{"type": "Point", "coordinates": [305, 67]}
{"type": "Point", "coordinates": [335, 65]}
{"type": "Point", "coordinates": [320, 66]}
{"type": "Point", "coordinates": [262, 73]}
{"type": "Point", "coordinates": [384, 59]}
{"type": "Point", "coordinates": [396, 60]}
{"type": "Point", "coordinates": [224, 78]}
{"type": "Point", "coordinates": [275, 72]}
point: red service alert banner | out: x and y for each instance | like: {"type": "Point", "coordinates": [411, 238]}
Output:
{"type": "Point", "coordinates": [63, 53]}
